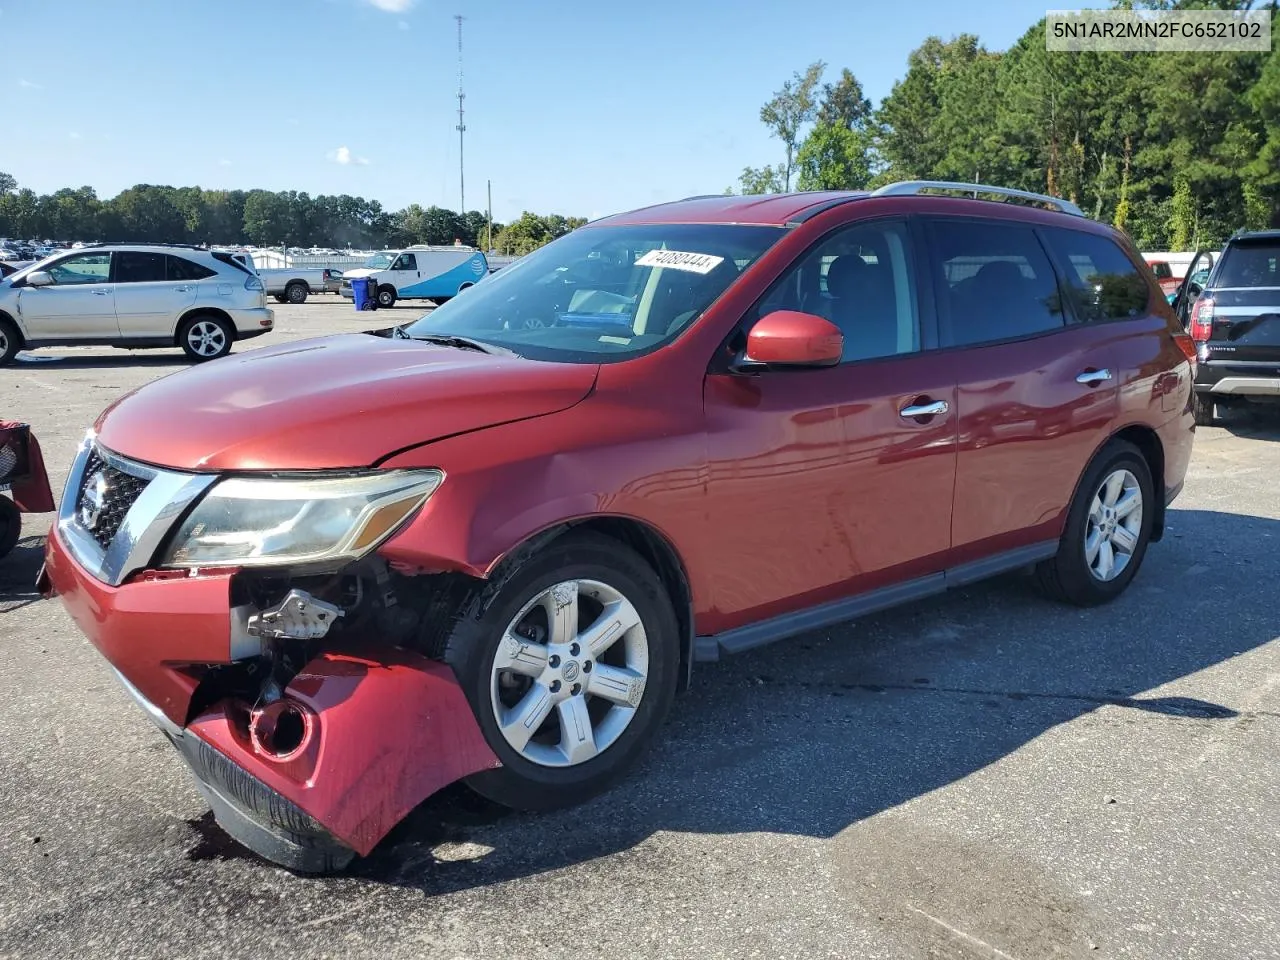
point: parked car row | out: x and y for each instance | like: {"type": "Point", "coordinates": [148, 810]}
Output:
{"type": "Point", "coordinates": [493, 543]}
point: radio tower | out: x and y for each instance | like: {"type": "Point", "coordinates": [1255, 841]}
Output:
{"type": "Point", "coordinates": [462, 127]}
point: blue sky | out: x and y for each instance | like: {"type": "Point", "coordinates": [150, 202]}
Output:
{"type": "Point", "coordinates": [572, 107]}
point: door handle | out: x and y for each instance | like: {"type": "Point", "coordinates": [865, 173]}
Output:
{"type": "Point", "coordinates": [101, 293]}
{"type": "Point", "coordinates": [933, 409]}
{"type": "Point", "coordinates": [1094, 377]}
{"type": "Point", "coordinates": [181, 289]}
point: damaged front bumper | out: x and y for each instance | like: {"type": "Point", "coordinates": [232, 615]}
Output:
{"type": "Point", "coordinates": [307, 775]}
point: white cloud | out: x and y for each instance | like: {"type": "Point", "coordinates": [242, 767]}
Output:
{"type": "Point", "coordinates": [74, 135]}
{"type": "Point", "coordinates": [29, 85]}
{"type": "Point", "coordinates": [344, 157]}
{"type": "Point", "coordinates": [392, 6]}
{"type": "Point", "coordinates": [224, 163]}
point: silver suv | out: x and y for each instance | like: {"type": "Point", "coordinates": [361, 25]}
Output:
{"type": "Point", "coordinates": [133, 296]}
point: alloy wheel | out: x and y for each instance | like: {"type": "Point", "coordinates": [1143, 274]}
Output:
{"type": "Point", "coordinates": [206, 338]}
{"type": "Point", "coordinates": [569, 673]}
{"type": "Point", "coordinates": [1114, 526]}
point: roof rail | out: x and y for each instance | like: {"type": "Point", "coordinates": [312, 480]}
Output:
{"type": "Point", "coordinates": [913, 187]}
{"type": "Point", "coordinates": [143, 243]}
{"type": "Point", "coordinates": [703, 196]}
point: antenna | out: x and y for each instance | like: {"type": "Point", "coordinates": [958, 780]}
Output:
{"type": "Point", "coordinates": [462, 127]}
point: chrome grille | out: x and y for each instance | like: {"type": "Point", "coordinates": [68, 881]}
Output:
{"type": "Point", "coordinates": [104, 498]}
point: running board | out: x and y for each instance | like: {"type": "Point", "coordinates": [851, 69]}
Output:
{"type": "Point", "coordinates": [753, 635]}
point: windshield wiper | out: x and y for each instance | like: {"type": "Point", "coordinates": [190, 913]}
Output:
{"type": "Point", "coordinates": [462, 343]}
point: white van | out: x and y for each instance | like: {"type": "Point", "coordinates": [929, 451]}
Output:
{"type": "Point", "coordinates": [421, 272]}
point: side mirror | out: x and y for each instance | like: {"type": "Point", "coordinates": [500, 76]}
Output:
{"type": "Point", "coordinates": [39, 278]}
{"type": "Point", "coordinates": [789, 338]}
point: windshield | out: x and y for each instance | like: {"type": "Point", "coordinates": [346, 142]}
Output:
{"type": "Point", "coordinates": [379, 261]}
{"type": "Point", "coordinates": [603, 293]}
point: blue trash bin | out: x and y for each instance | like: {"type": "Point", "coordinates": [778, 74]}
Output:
{"type": "Point", "coordinates": [362, 293]}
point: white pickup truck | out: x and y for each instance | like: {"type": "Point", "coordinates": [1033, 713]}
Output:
{"type": "Point", "coordinates": [294, 284]}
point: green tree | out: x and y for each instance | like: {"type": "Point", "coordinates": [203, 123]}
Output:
{"type": "Point", "coordinates": [834, 157]}
{"type": "Point", "coordinates": [763, 180]}
{"type": "Point", "coordinates": [786, 114]}
{"type": "Point", "coordinates": [844, 104]}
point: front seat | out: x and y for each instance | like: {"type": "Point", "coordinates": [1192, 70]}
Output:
{"type": "Point", "coordinates": [862, 307]}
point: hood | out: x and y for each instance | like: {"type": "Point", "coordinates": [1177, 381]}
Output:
{"type": "Point", "coordinates": [359, 272]}
{"type": "Point", "coordinates": [345, 401]}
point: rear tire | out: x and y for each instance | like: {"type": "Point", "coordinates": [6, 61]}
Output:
{"type": "Point", "coordinates": [296, 293]}
{"type": "Point", "coordinates": [1102, 546]}
{"type": "Point", "coordinates": [1204, 409]}
{"type": "Point", "coordinates": [386, 297]}
{"type": "Point", "coordinates": [10, 342]}
{"type": "Point", "coordinates": [206, 337]}
{"type": "Point", "coordinates": [10, 525]}
{"type": "Point", "coordinates": [618, 690]}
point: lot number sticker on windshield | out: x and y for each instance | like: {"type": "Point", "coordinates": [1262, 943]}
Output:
{"type": "Point", "coordinates": [675, 260]}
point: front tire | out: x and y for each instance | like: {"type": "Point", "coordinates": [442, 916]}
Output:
{"type": "Point", "coordinates": [1107, 532]}
{"type": "Point", "coordinates": [10, 342]}
{"type": "Point", "coordinates": [386, 297]}
{"type": "Point", "coordinates": [206, 337]}
{"type": "Point", "coordinates": [296, 293]}
{"type": "Point", "coordinates": [569, 660]}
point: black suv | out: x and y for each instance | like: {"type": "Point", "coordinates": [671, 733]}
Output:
{"type": "Point", "coordinates": [1235, 323]}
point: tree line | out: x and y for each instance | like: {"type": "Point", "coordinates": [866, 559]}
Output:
{"type": "Point", "coordinates": [1177, 149]}
{"type": "Point", "coordinates": [162, 214]}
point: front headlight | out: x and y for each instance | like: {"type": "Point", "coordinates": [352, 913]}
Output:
{"type": "Point", "coordinates": [259, 521]}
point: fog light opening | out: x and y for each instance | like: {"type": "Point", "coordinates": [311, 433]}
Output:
{"type": "Point", "coordinates": [282, 730]}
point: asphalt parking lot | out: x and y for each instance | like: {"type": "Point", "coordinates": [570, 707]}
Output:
{"type": "Point", "coordinates": [986, 775]}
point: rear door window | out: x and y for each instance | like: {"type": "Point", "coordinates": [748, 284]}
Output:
{"type": "Point", "coordinates": [1104, 283]}
{"type": "Point", "coordinates": [137, 267]}
{"type": "Point", "coordinates": [993, 281]}
{"type": "Point", "coordinates": [1250, 264]}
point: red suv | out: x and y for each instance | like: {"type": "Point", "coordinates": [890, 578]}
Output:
{"type": "Point", "coordinates": [492, 543]}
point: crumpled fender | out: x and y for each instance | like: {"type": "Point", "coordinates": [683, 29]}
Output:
{"type": "Point", "coordinates": [388, 731]}
{"type": "Point", "coordinates": [31, 491]}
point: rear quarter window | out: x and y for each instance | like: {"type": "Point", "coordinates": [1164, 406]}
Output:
{"type": "Point", "coordinates": [183, 269]}
{"type": "Point", "coordinates": [1104, 283]}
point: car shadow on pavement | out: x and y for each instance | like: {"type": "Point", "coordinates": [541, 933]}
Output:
{"type": "Point", "coordinates": [1254, 422]}
{"type": "Point", "coordinates": [812, 736]}
{"type": "Point", "coordinates": [18, 571]}
{"type": "Point", "coordinates": [93, 361]}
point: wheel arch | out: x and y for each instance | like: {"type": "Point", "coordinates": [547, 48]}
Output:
{"type": "Point", "coordinates": [1148, 443]}
{"type": "Point", "coordinates": [656, 549]}
{"type": "Point", "coordinates": [17, 327]}
{"type": "Point", "coordinates": [203, 311]}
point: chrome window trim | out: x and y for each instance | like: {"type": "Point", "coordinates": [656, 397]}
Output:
{"type": "Point", "coordinates": [164, 499]}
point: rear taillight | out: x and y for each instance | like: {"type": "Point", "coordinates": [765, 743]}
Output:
{"type": "Point", "coordinates": [253, 283]}
{"type": "Point", "coordinates": [1202, 320]}
{"type": "Point", "coordinates": [1188, 348]}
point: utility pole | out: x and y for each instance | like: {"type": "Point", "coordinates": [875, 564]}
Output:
{"type": "Point", "coordinates": [462, 127]}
